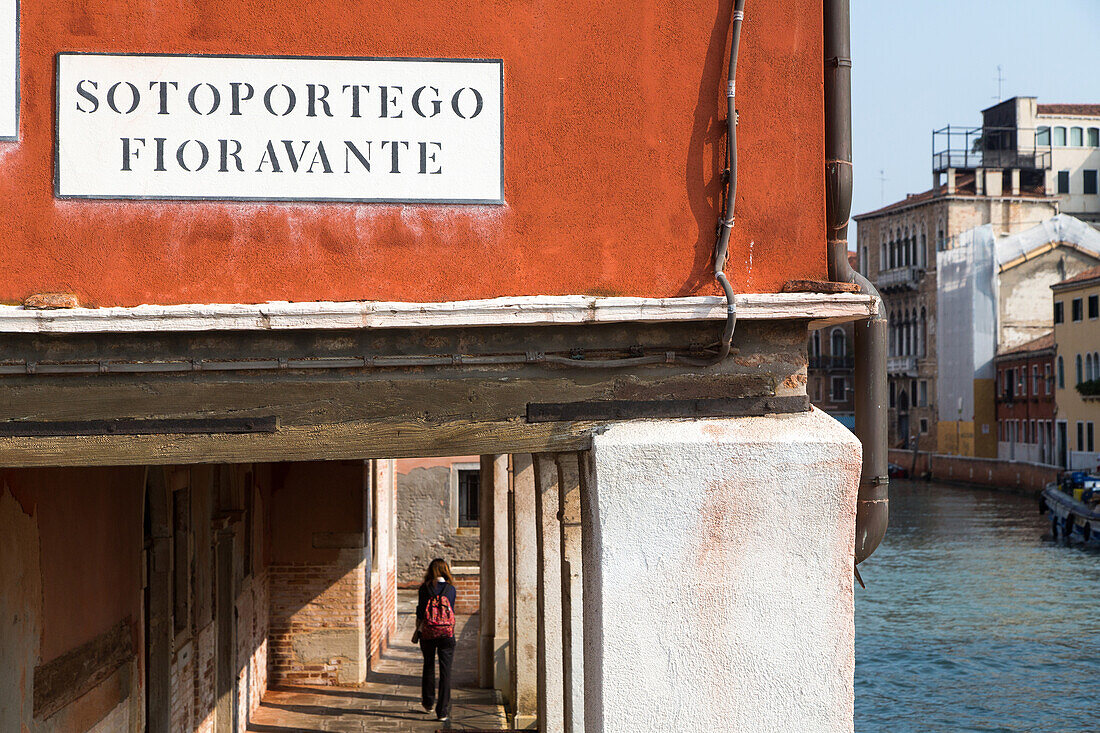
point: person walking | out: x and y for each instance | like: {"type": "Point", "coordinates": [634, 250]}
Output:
{"type": "Point", "coordinates": [435, 630]}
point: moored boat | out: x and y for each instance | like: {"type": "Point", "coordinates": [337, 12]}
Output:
{"type": "Point", "coordinates": [1074, 506]}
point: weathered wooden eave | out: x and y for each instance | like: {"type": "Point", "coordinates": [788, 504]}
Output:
{"type": "Point", "coordinates": [349, 413]}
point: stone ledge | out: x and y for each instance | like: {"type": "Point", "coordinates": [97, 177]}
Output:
{"type": "Point", "coordinates": [819, 308]}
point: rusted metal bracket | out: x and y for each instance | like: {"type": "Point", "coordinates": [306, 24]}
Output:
{"type": "Point", "coordinates": [640, 409]}
{"type": "Point", "coordinates": [125, 426]}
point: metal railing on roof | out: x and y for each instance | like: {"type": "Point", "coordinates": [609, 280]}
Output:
{"type": "Point", "coordinates": [989, 147]}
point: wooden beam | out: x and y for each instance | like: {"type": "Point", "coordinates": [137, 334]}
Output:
{"type": "Point", "coordinates": [341, 441]}
{"type": "Point", "coordinates": [62, 680]}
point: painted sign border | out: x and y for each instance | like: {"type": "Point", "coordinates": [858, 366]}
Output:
{"type": "Point", "coordinates": [18, 86]}
{"type": "Point", "coordinates": [278, 199]}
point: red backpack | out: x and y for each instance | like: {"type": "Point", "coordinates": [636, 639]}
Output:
{"type": "Point", "coordinates": [439, 618]}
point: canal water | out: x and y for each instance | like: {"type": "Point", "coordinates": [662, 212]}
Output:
{"type": "Point", "coordinates": [973, 620]}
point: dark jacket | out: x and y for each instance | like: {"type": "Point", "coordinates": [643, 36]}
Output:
{"type": "Point", "coordinates": [443, 587]}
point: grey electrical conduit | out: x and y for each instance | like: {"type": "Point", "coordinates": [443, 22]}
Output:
{"type": "Point", "coordinates": [721, 248]}
{"type": "Point", "coordinates": [872, 501]}
{"type": "Point", "coordinates": [725, 227]}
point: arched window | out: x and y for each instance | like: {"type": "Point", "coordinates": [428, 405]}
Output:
{"type": "Point", "coordinates": [1076, 137]}
{"type": "Point", "coordinates": [1061, 373]}
{"type": "Point", "coordinates": [1059, 137]}
{"type": "Point", "coordinates": [1088, 367]}
{"type": "Point", "coordinates": [923, 247]}
{"type": "Point", "coordinates": [815, 344]}
{"type": "Point", "coordinates": [838, 343]}
{"type": "Point", "coordinates": [905, 249]}
{"type": "Point", "coordinates": [941, 241]}
{"type": "Point", "coordinates": [923, 351]}
{"type": "Point", "coordinates": [1078, 369]}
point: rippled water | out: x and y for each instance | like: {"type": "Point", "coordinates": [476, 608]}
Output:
{"type": "Point", "coordinates": [972, 621]}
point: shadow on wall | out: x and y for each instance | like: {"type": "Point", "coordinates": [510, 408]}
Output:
{"type": "Point", "coordinates": [84, 642]}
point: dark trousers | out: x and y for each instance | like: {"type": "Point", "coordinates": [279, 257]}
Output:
{"type": "Point", "coordinates": [446, 650]}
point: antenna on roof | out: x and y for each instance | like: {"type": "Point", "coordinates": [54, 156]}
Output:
{"type": "Point", "coordinates": [882, 184]}
{"type": "Point", "coordinates": [1000, 83]}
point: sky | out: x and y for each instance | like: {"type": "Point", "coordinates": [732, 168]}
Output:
{"type": "Point", "coordinates": [918, 66]}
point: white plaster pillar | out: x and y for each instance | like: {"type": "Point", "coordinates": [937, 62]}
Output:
{"type": "Point", "coordinates": [501, 576]}
{"type": "Point", "coordinates": [493, 522]}
{"type": "Point", "coordinates": [551, 679]}
{"type": "Point", "coordinates": [718, 575]}
{"type": "Point", "coordinates": [570, 481]}
{"type": "Point", "coordinates": [523, 629]}
{"type": "Point", "coordinates": [485, 582]}
{"type": "Point", "coordinates": [994, 182]}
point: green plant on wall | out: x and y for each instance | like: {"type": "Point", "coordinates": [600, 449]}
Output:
{"type": "Point", "coordinates": [1090, 388]}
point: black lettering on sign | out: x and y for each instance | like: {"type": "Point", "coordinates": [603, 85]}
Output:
{"type": "Point", "coordinates": [236, 98]}
{"type": "Point", "coordinates": [215, 99]}
{"type": "Point", "coordinates": [135, 97]}
{"type": "Point", "coordinates": [479, 102]}
{"type": "Point", "coordinates": [204, 152]}
{"type": "Point", "coordinates": [395, 148]}
{"type": "Point", "coordinates": [290, 99]}
{"type": "Point", "coordinates": [163, 93]}
{"type": "Point", "coordinates": [87, 95]}
{"type": "Point", "coordinates": [351, 149]}
{"type": "Point", "coordinates": [226, 155]}
{"type": "Point", "coordinates": [129, 150]}
{"type": "Point", "coordinates": [425, 157]}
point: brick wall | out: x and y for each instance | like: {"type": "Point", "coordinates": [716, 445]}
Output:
{"type": "Point", "coordinates": [383, 612]}
{"type": "Point", "coordinates": [1010, 475]}
{"type": "Point", "coordinates": [183, 687]}
{"type": "Point", "coordinates": [904, 458]}
{"type": "Point", "coordinates": [468, 590]}
{"type": "Point", "coordinates": [311, 599]}
{"type": "Point", "coordinates": [205, 677]}
{"type": "Point", "coordinates": [992, 472]}
{"type": "Point", "coordinates": [194, 668]}
{"type": "Point", "coordinates": [252, 628]}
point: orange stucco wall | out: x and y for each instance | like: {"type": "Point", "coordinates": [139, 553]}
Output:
{"type": "Point", "coordinates": [613, 149]}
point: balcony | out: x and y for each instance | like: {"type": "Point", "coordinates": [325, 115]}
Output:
{"type": "Point", "coordinates": [832, 363]}
{"type": "Point", "coordinates": [988, 147]}
{"type": "Point", "coordinates": [905, 366]}
{"type": "Point", "coordinates": [899, 278]}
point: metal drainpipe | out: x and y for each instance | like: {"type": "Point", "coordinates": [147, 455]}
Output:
{"type": "Point", "coordinates": [872, 503]}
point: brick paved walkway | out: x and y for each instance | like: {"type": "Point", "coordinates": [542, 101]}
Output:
{"type": "Point", "coordinates": [390, 699]}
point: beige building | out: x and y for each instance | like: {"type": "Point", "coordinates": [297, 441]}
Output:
{"type": "Point", "coordinates": [1077, 369]}
{"type": "Point", "coordinates": [897, 248]}
{"type": "Point", "coordinates": [1024, 146]}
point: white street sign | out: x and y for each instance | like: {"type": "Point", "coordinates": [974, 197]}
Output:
{"type": "Point", "coordinates": [9, 69]}
{"type": "Point", "coordinates": [279, 129]}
